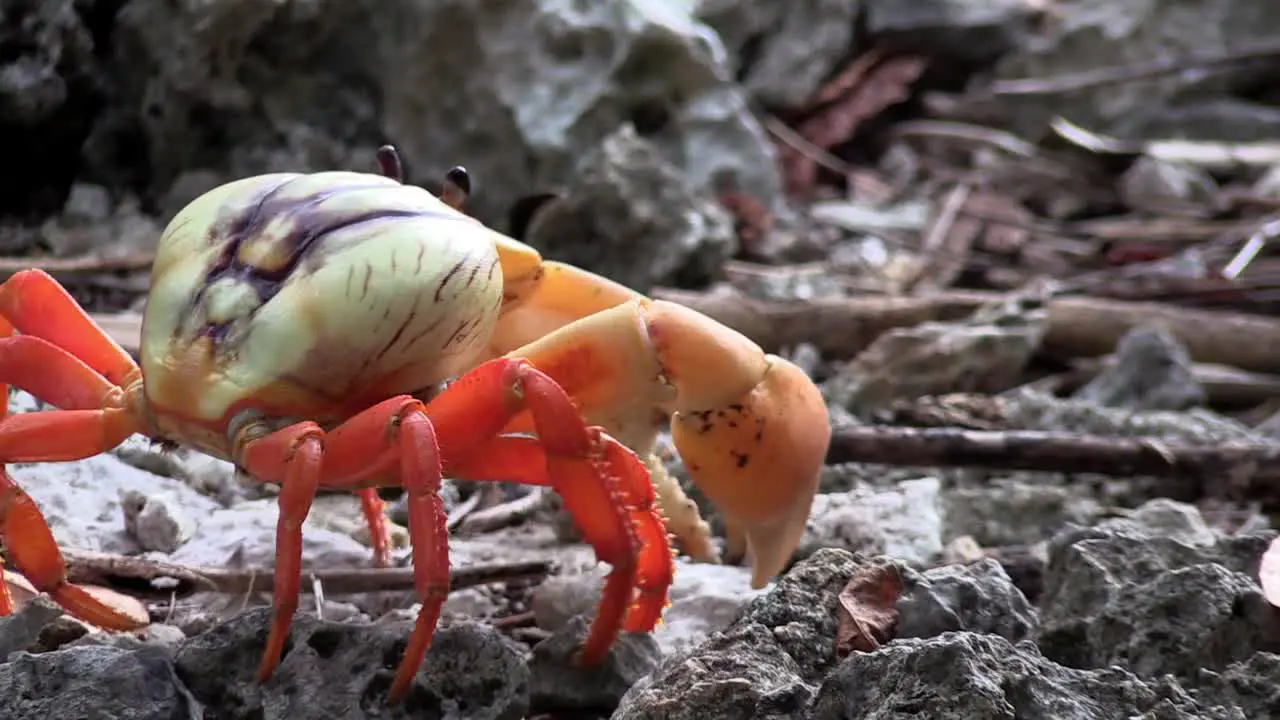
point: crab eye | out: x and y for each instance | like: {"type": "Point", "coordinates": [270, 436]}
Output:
{"type": "Point", "coordinates": [389, 163]}
{"type": "Point", "coordinates": [460, 178]}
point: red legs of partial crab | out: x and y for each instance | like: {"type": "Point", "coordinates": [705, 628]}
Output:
{"type": "Point", "coordinates": [65, 360]}
{"type": "Point", "coordinates": [602, 483]}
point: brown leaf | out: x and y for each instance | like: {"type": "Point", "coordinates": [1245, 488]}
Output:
{"type": "Point", "coordinates": [751, 219]}
{"type": "Point", "coordinates": [868, 610]}
{"type": "Point", "coordinates": [121, 603]}
{"type": "Point", "coordinates": [993, 207]}
{"type": "Point", "coordinates": [22, 592]}
{"type": "Point", "coordinates": [871, 83]}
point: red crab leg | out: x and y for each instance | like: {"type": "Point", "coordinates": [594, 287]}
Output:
{"type": "Point", "coordinates": [37, 305]}
{"type": "Point", "coordinates": [375, 516]}
{"type": "Point", "coordinates": [64, 359]}
{"type": "Point", "coordinates": [513, 456]}
{"type": "Point", "coordinates": [603, 485]}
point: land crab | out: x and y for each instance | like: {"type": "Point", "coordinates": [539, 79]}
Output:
{"type": "Point", "coordinates": [347, 331]}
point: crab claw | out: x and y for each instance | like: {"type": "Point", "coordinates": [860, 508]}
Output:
{"type": "Point", "coordinates": [751, 428]}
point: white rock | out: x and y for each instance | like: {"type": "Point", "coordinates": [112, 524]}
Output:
{"type": "Point", "coordinates": [904, 522]}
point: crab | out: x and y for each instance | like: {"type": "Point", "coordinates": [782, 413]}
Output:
{"type": "Point", "coordinates": [347, 331]}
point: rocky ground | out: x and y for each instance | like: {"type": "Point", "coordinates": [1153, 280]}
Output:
{"type": "Point", "coordinates": [1077, 607]}
{"type": "Point", "coordinates": [877, 189]}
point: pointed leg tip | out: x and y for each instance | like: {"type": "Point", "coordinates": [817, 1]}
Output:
{"type": "Point", "coordinates": [266, 668]}
{"type": "Point", "coordinates": [399, 687]}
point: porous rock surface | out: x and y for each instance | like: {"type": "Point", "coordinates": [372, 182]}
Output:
{"type": "Point", "coordinates": [1111, 641]}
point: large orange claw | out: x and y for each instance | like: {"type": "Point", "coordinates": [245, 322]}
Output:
{"type": "Point", "coordinates": [752, 428]}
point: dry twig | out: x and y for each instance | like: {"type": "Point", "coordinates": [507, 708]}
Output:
{"type": "Point", "coordinates": [503, 515]}
{"type": "Point", "coordinates": [81, 264]}
{"type": "Point", "coordinates": [106, 569]}
{"type": "Point", "coordinates": [1116, 74]}
{"type": "Point", "coordinates": [1079, 326]}
{"type": "Point", "coordinates": [1228, 469]}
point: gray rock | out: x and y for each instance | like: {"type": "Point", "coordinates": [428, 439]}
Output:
{"type": "Point", "coordinates": [978, 598]}
{"type": "Point", "coordinates": [740, 673]}
{"type": "Point", "coordinates": [1165, 518]}
{"type": "Point", "coordinates": [516, 91]}
{"type": "Point", "coordinates": [559, 686]}
{"type": "Point", "coordinates": [1034, 410]}
{"type": "Point", "coordinates": [767, 665]}
{"type": "Point", "coordinates": [1010, 512]}
{"type": "Point", "coordinates": [1087, 36]}
{"type": "Point", "coordinates": [1250, 685]}
{"type": "Point", "coordinates": [958, 30]}
{"type": "Point", "coordinates": [153, 523]}
{"type": "Point", "coordinates": [904, 522]}
{"type": "Point", "coordinates": [800, 610]}
{"type": "Point", "coordinates": [340, 671]}
{"type": "Point", "coordinates": [86, 683]}
{"type": "Point", "coordinates": [1153, 371]}
{"type": "Point", "coordinates": [778, 659]}
{"type": "Point", "coordinates": [630, 215]}
{"type": "Point", "coordinates": [87, 204]}
{"type": "Point", "coordinates": [985, 352]}
{"type": "Point", "coordinates": [793, 48]}
{"type": "Point", "coordinates": [22, 629]}
{"type": "Point", "coordinates": [50, 85]}
{"type": "Point", "coordinates": [959, 676]}
{"type": "Point", "coordinates": [1154, 604]}
{"type": "Point", "coordinates": [704, 599]}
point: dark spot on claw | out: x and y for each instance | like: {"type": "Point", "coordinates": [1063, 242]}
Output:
{"type": "Point", "coordinates": [389, 163]}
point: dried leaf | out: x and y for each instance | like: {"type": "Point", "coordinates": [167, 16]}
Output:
{"type": "Point", "coordinates": [22, 592]}
{"type": "Point", "coordinates": [845, 82]}
{"type": "Point", "coordinates": [1269, 573]}
{"type": "Point", "coordinates": [947, 244]}
{"type": "Point", "coordinates": [751, 219]}
{"type": "Point", "coordinates": [868, 609]}
{"type": "Point", "coordinates": [871, 83]}
{"type": "Point", "coordinates": [118, 601]}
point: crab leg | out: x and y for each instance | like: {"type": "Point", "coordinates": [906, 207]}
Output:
{"type": "Point", "coordinates": [65, 360]}
{"type": "Point", "coordinates": [38, 306]}
{"type": "Point", "coordinates": [516, 456]}
{"type": "Point", "coordinates": [603, 485]}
